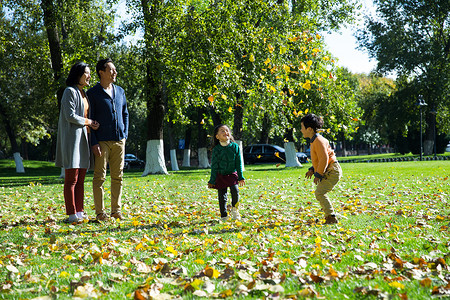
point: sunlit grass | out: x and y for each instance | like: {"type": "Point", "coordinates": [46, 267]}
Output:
{"type": "Point", "coordinates": [392, 239]}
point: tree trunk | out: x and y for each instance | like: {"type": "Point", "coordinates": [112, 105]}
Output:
{"type": "Point", "coordinates": [428, 144]}
{"type": "Point", "coordinates": [12, 138]}
{"type": "Point", "coordinates": [54, 43]}
{"type": "Point", "coordinates": [155, 162]}
{"type": "Point", "coordinates": [217, 119]}
{"type": "Point", "coordinates": [264, 138]}
{"type": "Point", "coordinates": [187, 148]}
{"type": "Point", "coordinates": [238, 125]}
{"type": "Point", "coordinates": [24, 147]}
{"type": "Point", "coordinates": [173, 148]}
{"type": "Point", "coordinates": [291, 155]}
{"type": "Point", "coordinates": [344, 146]}
{"type": "Point", "coordinates": [50, 22]}
{"type": "Point", "coordinates": [202, 144]}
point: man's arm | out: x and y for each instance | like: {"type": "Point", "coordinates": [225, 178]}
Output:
{"type": "Point", "coordinates": [125, 116]}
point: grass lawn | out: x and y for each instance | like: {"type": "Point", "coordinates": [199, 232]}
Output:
{"type": "Point", "coordinates": [392, 241]}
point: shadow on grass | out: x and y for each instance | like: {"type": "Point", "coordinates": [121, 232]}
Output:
{"type": "Point", "coordinates": [158, 229]}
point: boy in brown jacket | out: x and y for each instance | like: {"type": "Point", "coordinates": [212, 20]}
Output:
{"type": "Point", "coordinates": [325, 167]}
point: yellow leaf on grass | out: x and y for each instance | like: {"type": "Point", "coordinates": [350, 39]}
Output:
{"type": "Point", "coordinates": [211, 98]}
{"type": "Point", "coordinates": [230, 109]}
{"type": "Point", "coordinates": [286, 68]}
{"type": "Point", "coordinates": [271, 48]}
{"type": "Point", "coordinates": [224, 97]}
{"type": "Point", "coordinates": [225, 64]}
{"type": "Point", "coordinates": [225, 294]}
{"type": "Point", "coordinates": [397, 285]}
{"type": "Point", "coordinates": [267, 61]}
{"type": "Point", "coordinates": [199, 261]}
{"type": "Point", "coordinates": [318, 240]}
{"type": "Point", "coordinates": [171, 250]}
{"type": "Point", "coordinates": [211, 272]}
{"type": "Point", "coordinates": [197, 283]}
{"type": "Point", "coordinates": [64, 274]}
{"type": "Point", "coordinates": [139, 246]}
{"type": "Point", "coordinates": [251, 58]}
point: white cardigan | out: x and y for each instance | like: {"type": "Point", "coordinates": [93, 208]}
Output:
{"type": "Point", "coordinates": [72, 146]}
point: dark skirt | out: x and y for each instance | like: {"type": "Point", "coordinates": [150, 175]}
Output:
{"type": "Point", "coordinates": [224, 181]}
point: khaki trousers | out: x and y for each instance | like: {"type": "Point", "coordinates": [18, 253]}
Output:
{"type": "Point", "coordinates": [331, 178]}
{"type": "Point", "coordinates": [114, 153]}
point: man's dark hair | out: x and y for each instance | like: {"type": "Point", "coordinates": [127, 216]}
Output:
{"type": "Point", "coordinates": [313, 121]}
{"type": "Point", "coordinates": [101, 65]}
{"type": "Point", "coordinates": [75, 73]}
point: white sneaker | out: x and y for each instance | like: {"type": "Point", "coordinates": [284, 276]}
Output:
{"type": "Point", "coordinates": [224, 219]}
{"type": "Point", "coordinates": [71, 219]}
{"type": "Point", "coordinates": [81, 215]}
{"type": "Point", "coordinates": [235, 213]}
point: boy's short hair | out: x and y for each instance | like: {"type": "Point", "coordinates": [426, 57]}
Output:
{"type": "Point", "coordinates": [101, 65]}
{"type": "Point", "coordinates": [313, 121]}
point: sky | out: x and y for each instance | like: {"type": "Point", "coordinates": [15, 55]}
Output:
{"type": "Point", "coordinates": [343, 45]}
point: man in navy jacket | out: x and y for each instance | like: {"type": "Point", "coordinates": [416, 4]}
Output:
{"type": "Point", "coordinates": [108, 106]}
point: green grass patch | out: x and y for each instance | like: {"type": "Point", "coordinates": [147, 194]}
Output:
{"type": "Point", "coordinates": [392, 239]}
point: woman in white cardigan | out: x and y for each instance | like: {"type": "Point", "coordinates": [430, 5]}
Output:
{"type": "Point", "coordinates": [72, 147]}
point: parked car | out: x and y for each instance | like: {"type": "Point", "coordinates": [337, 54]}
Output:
{"type": "Point", "coordinates": [131, 161]}
{"type": "Point", "coordinates": [447, 149]}
{"type": "Point", "coordinates": [308, 152]}
{"type": "Point", "coordinates": [261, 153]}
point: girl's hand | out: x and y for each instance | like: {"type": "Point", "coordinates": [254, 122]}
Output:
{"type": "Point", "coordinates": [316, 180]}
{"type": "Point", "coordinates": [94, 124]}
{"type": "Point", "coordinates": [210, 185]}
{"type": "Point", "coordinates": [241, 182]}
{"type": "Point", "coordinates": [309, 174]}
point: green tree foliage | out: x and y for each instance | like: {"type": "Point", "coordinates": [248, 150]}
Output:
{"type": "Point", "coordinates": [31, 77]}
{"type": "Point", "coordinates": [380, 122]}
{"type": "Point", "coordinates": [265, 59]}
{"type": "Point", "coordinates": [412, 38]}
{"type": "Point", "coordinates": [24, 75]}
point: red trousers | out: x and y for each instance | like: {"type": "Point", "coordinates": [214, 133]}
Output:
{"type": "Point", "coordinates": [74, 190]}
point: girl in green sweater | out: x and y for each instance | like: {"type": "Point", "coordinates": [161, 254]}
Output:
{"type": "Point", "coordinates": [226, 170]}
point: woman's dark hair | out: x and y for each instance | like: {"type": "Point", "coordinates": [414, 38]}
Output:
{"type": "Point", "coordinates": [75, 73]}
{"type": "Point", "coordinates": [313, 121]}
{"type": "Point", "coordinates": [216, 130]}
{"type": "Point", "coordinates": [101, 65]}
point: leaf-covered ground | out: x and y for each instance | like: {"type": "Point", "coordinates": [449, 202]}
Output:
{"type": "Point", "coordinates": [391, 242]}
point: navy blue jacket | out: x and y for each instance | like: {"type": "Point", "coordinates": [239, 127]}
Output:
{"type": "Point", "coordinates": [112, 114]}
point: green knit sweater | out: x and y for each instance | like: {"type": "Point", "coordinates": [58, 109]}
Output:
{"type": "Point", "coordinates": [226, 160]}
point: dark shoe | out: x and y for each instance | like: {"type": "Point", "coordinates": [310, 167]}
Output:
{"type": "Point", "coordinates": [102, 217]}
{"type": "Point", "coordinates": [331, 219]}
{"type": "Point", "coordinates": [117, 215]}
